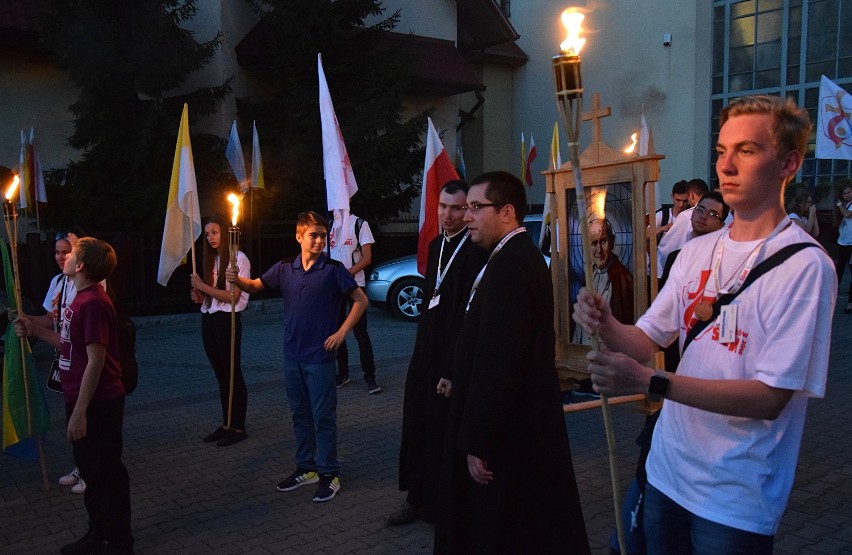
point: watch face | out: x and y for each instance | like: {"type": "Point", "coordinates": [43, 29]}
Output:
{"type": "Point", "coordinates": [658, 386]}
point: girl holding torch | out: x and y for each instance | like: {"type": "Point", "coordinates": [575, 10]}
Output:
{"type": "Point", "coordinates": [214, 294]}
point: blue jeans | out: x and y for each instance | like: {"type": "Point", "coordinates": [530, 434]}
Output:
{"type": "Point", "coordinates": [312, 395]}
{"type": "Point", "coordinates": [671, 529]}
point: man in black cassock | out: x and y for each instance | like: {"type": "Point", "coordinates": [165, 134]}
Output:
{"type": "Point", "coordinates": [509, 482]}
{"type": "Point", "coordinates": [453, 263]}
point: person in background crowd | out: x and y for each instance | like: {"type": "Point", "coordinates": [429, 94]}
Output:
{"type": "Point", "coordinates": [843, 218]}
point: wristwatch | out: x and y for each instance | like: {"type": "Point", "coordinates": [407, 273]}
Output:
{"type": "Point", "coordinates": [658, 386]}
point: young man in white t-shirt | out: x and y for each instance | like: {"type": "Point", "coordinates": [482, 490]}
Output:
{"type": "Point", "coordinates": [725, 449]}
{"type": "Point", "coordinates": [355, 251]}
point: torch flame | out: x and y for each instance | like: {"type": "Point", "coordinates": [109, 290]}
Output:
{"type": "Point", "coordinates": [10, 192]}
{"type": "Point", "coordinates": [634, 140]}
{"type": "Point", "coordinates": [598, 204]}
{"type": "Point", "coordinates": [572, 19]}
{"type": "Point", "coordinates": [235, 208]}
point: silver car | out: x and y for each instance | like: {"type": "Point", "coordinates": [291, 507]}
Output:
{"type": "Point", "coordinates": [399, 286]}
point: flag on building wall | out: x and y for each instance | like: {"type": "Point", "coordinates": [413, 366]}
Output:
{"type": "Point", "coordinates": [531, 156]}
{"type": "Point", "coordinates": [522, 175]}
{"type": "Point", "coordinates": [257, 181]}
{"type": "Point", "coordinates": [183, 218]}
{"type": "Point", "coordinates": [25, 413]}
{"type": "Point", "coordinates": [234, 154]}
{"type": "Point", "coordinates": [437, 170]}
{"type": "Point", "coordinates": [340, 182]}
{"type": "Point", "coordinates": [834, 122]}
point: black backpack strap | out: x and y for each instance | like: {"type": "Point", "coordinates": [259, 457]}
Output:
{"type": "Point", "coordinates": [358, 223]}
{"type": "Point", "coordinates": [773, 261]}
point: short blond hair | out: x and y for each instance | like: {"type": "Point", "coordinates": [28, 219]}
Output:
{"type": "Point", "coordinates": [790, 123]}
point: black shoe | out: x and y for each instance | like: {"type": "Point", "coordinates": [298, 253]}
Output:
{"type": "Point", "coordinates": [218, 434]}
{"type": "Point", "coordinates": [405, 514]}
{"type": "Point", "coordinates": [83, 546]}
{"type": "Point", "coordinates": [231, 437]}
{"type": "Point", "coordinates": [106, 547]}
{"type": "Point", "coordinates": [341, 380]}
{"type": "Point", "coordinates": [372, 386]}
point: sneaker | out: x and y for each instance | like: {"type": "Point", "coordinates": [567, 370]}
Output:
{"type": "Point", "coordinates": [71, 478]}
{"type": "Point", "coordinates": [86, 544]}
{"type": "Point", "coordinates": [341, 380]}
{"type": "Point", "coordinates": [79, 487]}
{"type": "Point", "coordinates": [372, 386]}
{"type": "Point", "coordinates": [298, 479]}
{"type": "Point", "coordinates": [329, 485]}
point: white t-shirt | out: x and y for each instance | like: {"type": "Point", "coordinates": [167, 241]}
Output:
{"type": "Point", "coordinates": [731, 470]}
{"type": "Point", "coordinates": [55, 292]}
{"type": "Point", "coordinates": [845, 237]}
{"type": "Point", "coordinates": [675, 238]}
{"type": "Point", "coordinates": [344, 251]}
{"type": "Point", "coordinates": [244, 270]}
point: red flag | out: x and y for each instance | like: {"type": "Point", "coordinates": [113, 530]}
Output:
{"type": "Point", "coordinates": [530, 157]}
{"type": "Point", "coordinates": [437, 170]}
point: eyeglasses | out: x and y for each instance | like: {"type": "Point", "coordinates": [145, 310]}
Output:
{"type": "Point", "coordinates": [700, 210]}
{"type": "Point", "coordinates": [475, 207]}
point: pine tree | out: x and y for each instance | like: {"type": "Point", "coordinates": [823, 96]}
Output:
{"type": "Point", "coordinates": [128, 59]}
{"type": "Point", "coordinates": [367, 82]}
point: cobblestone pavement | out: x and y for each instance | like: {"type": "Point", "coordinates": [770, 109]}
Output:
{"type": "Point", "coordinates": [192, 497]}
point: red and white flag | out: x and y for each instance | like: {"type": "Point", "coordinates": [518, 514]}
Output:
{"type": "Point", "coordinates": [834, 122]}
{"type": "Point", "coordinates": [531, 156]}
{"type": "Point", "coordinates": [340, 182]}
{"type": "Point", "coordinates": [437, 170]}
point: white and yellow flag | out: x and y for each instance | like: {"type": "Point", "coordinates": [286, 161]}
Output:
{"type": "Point", "coordinates": [183, 218]}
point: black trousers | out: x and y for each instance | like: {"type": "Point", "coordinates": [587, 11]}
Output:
{"type": "Point", "coordinates": [216, 336]}
{"type": "Point", "coordinates": [844, 254]}
{"type": "Point", "coordinates": [98, 458]}
{"type": "Point", "coordinates": [365, 346]}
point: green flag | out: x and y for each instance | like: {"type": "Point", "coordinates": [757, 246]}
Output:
{"type": "Point", "coordinates": [20, 422]}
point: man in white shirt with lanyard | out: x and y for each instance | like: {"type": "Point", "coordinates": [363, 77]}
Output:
{"type": "Point", "coordinates": [724, 453]}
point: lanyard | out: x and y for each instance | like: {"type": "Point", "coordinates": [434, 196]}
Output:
{"type": "Point", "coordinates": [443, 274]}
{"type": "Point", "coordinates": [497, 249]}
{"type": "Point", "coordinates": [740, 277]}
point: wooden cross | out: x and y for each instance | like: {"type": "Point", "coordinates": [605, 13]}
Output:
{"type": "Point", "coordinates": [595, 114]}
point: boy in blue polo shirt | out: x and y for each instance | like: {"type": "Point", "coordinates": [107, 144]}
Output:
{"type": "Point", "coordinates": [313, 287]}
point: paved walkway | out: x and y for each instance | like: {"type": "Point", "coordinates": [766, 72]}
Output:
{"type": "Point", "coordinates": [192, 497]}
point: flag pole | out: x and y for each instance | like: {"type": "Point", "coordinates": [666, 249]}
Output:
{"type": "Point", "coordinates": [569, 100]}
{"type": "Point", "coordinates": [11, 212]}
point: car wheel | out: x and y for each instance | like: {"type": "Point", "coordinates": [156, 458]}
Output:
{"type": "Point", "coordinates": [406, 298]}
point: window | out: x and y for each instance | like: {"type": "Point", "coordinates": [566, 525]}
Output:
{"type": "Point", "coordinates": [782, 47]}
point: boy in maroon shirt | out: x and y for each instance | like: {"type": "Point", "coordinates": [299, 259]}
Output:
{"type": "Point", "coordinates": [94, 397]}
